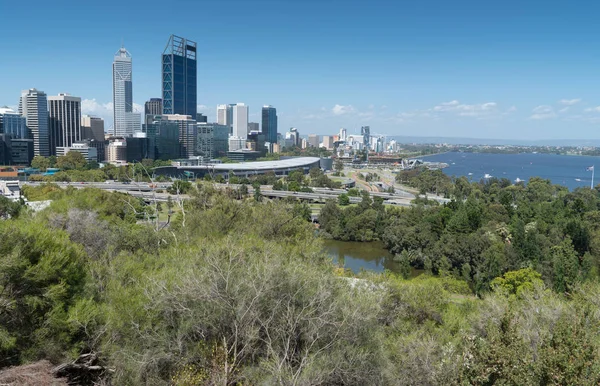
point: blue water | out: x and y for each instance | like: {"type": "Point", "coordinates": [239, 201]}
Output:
{"type": "Point", "coordinates": [560, 169]}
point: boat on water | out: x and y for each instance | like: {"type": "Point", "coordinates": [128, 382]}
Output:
{"type": "Point", "coordinates": [470, 174]}
{"type": "Point", "coordinates": [518, 180]}
{"type": "Point", "coordinates": [578, 179]}
{"type": "Point", "coordinates": [486, 176]}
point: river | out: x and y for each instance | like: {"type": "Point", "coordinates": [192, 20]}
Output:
{"type": "Point", "coordinates": [356, 255]}
{"type": "Point", "coordinates": [569, 171]}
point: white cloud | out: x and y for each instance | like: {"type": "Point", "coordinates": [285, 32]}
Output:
{"type": "Point", "coordinates": [203, 108]}
{"type": "Point", "coordinates": [104, 110]}
{"type": "Point", "coordinates": [564, 109]}
{"type": "Point", "coordinates": [543, 112]}
{"type": "Point", "coordinates": [592, 109]}
{"type": "Point", "coordinates": [101, 110]}
{"type": "Point", "coordinates": [341, 110]}
{"type": "Point", "coordinates": [137, 108]}
{"type": "Point", "coordinates": [475, 110]}
{"type": "Point", "coordinates": [569, 102]}
{"type": "Point", "coordinates": [312, 116]}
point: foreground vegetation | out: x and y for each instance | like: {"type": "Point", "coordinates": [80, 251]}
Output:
{"type": "Point", "coordinates": [237, 290]}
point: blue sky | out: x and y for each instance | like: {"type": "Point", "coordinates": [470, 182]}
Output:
{"type": "Point", "coordinates": [509, 69]}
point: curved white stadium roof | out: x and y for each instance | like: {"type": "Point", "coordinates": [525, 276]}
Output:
{"type": "Point", "coordinates": [295, 162]}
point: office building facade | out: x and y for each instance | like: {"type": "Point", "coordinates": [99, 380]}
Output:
{"type": "Point", "coordinates": [269, 123]}
{"type": "Point", "coordinates": [34, 107]}
{"type": "Point", "coordinates": [92, 128]}
{"type": "Point", "coordinates": [154, 106]}
{"type": "Point", "coordinates": [126, 121]}
{"type": "Point", "coordinates": [179, 77]}
{"type": "Point", "coordinates": [212, 140]}
{"type": "Point", "coordinates": [167, 140]}
{"type": "Point", "coordinates": [222, 114]}
{"type": "Point", "coordinates": [201, 118]}
{"type": "Point", "coordinates": [240, 121]}
{"type": "Point", "coordinates": [21, 151]}
{"type": "Point", "coordinates": [253, 126]}
{"type": "Point", "coordinates": [187, 133]}
{"type": "Point", "coordinates": [314, 140]}
{"type": "Point", "coordinates": [64, 119]}
{"type": "Point", "coordinates": [12, 123]}
{"type": "Point", "coordinates": [139, 147]}
{"type": "Point", "coordinates": [5, 149]}
{"type": "Point", "coordinates": [116, 151]}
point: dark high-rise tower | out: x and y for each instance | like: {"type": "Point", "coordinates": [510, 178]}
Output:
{"type": "Point", "coordinates": [269, 123]}
{"type": "Point", "coordinates": [64, 121]}
{"type": "Point", "coordinates": [153, 106]}
{"type": "Point", "coordinates": [179, 77]}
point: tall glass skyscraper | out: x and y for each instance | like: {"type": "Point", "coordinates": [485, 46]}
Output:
{"type": "Point", "coordinates": [269, 123]}
{"type": "Point", "coordinates": [126, 121]}
{"type": "Point", "coordinates": [179, 77]}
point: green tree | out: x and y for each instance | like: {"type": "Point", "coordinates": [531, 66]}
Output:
{"type": "Point", "coordinates": [343, 199]}
{"type": "Point", "coordinates": [9, 208]}
{"type": "Point", "coordinates": [40, 162]}
{"type": "Point", "coordinates": [180, 187]}
{"type": "Point", "coordinates": [566, 266]}
{"type": "Point", "coordinates": [73, 160]}
{"type": "Point", "coordinates": [517, 282]}
{"type": "Point", "coordinates": [257, 194]}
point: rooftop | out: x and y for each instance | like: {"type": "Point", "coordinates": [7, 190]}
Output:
{"type": "Point", "coordinates": [295, 162]}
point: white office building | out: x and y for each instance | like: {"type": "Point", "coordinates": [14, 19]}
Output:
{"type": "Point", "coordinates": [222, 114]}
{"type": "Point", "coordinates": [34, 107]}
{"type": "Point", "coordinates": [116, 151]}
{"type": "Point", "coordinates": [126, 122]}
{"type": "Point", "coordinates": [240, 121]}
{"type": "Point", "coordinates": [89, 153]}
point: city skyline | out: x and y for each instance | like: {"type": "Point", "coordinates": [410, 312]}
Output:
{"type": "Point", "coordinates": [467, 70]}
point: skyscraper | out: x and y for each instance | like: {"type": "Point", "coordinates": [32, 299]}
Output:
{"type": "Point", "coordinates": [240, 121]}
{"type": "Point", "coordinates": [269, 123]}
{"type": "Point", "coordinates": [12, 123]}
{"type": "Point", "coordinates": [34, 107]}
{"type": "Point", "coordinates": [126, 121]}
{"type": "Point", "coordinates": [179, 86]}
{"type": "Point", "coordinates": [64, 121]}
{"type": "Point", "coordinates": [222, 114]}
{"type": "Point", "coordinates": [153, 107]}
{"type": "Point", "coordinates": [188, 132]}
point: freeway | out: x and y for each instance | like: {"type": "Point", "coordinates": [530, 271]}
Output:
{"type": "Point", "coordinates": [148, 193]}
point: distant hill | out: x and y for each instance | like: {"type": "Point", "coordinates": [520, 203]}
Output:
{"type": "Point", "coordinates": [483, 141]}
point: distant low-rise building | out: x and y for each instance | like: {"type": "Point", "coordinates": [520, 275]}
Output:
{"type": "Point", "coordinates": [116, 151]}
{"type": "Point", "coordinates": [89, 153]}
{"type": "Point", "coordinates": [314, 140]}
{"type": "Point", "coordinates": [21, 151]}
